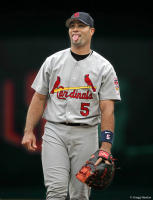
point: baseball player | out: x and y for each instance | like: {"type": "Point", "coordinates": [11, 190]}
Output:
{"type": "Point", "coordinates": [75, 90]}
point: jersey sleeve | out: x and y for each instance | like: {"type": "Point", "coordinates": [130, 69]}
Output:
{"type": "Point", "coordinates": [41, 82]}
{"type": "Point", "coordinates": [109, 89]}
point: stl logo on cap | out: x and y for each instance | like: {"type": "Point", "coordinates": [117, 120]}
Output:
{"type": "Point", "coordinates": [76, 14]}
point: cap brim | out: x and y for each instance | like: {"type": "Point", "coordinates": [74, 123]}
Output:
{"type": "Point", "coordinates": [68, 21]}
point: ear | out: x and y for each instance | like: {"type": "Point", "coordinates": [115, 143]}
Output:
{"type": "Point", "coordinates": [92, 31]}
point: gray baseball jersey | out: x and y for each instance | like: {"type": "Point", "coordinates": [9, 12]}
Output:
{"type": "Point", "coordinates": [74, 88]}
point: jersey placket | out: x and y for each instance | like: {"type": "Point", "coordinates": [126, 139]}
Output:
{"type": "Point", "coordinates": [72, 80]}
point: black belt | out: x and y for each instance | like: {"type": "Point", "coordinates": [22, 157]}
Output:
{"type": "Point", "coordinates": [72, 124]}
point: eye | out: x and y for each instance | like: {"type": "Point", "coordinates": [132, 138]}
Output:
{"type": "Point", "coordinates": [71, 25]}
{"type": "Point", "coordinates": [81, 25]}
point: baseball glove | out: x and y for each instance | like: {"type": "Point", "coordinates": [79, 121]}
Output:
{"type": "Point", "coordinates": [98, 176]}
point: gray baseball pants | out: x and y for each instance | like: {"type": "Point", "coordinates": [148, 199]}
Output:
{"type": "Point", "coordinates": [64, 150]}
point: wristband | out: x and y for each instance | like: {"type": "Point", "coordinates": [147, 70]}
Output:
{"type": "Point", "coordinates": [107, 136]}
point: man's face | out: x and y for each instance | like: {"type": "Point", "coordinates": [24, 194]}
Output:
{"type": "Point", "coordinates": [80, 34]}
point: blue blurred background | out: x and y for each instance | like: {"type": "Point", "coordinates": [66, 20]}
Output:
{"type": "Point", "coordinates": [31, 32]}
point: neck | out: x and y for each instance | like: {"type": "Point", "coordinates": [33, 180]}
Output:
{"type": "Point", "coordinates": [80, 51]}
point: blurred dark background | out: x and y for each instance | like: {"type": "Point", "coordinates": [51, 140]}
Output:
{"type": "Point", "coordinates": [31, 31]}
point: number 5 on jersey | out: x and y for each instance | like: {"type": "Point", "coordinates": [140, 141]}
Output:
{"type": "Point", "coordinates": [84, 109]}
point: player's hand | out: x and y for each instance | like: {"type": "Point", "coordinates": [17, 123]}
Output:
{"type": "Point", "coordinates": [100, 159]}
{"type": "Point", "coordinates": [29, 141]}
{"type": "Point", "coordinates": [105, 147]}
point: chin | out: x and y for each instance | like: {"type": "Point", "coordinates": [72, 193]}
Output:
{"type": "Point", "coordinates": [76, 44]}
